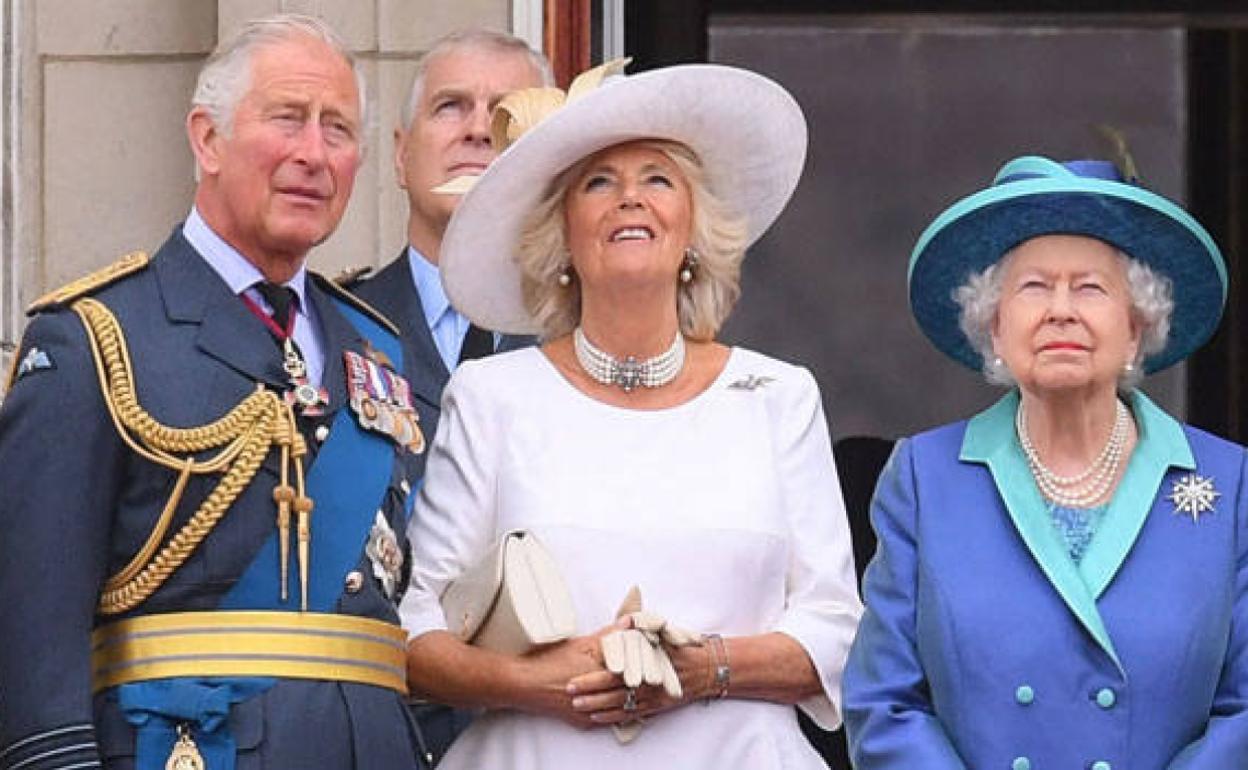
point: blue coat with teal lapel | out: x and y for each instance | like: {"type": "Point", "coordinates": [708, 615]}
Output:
{"type": "Point", "coordinates": [984, 646]}
{"type": "Point", "coordinates": [394, 294]}
{"type": "Point", "coordinates": [77, 503]}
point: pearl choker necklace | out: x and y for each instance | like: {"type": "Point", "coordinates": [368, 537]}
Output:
{"type": "Point", "coordinates": [630, 373]}
{"type": "Point", "coordinates": [1085, 488]}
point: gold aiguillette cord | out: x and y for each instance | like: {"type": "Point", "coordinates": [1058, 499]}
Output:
{"type": "Point", "coordinates": [293, 450]}
{"type": "Point", "coordinates": [303, 509]}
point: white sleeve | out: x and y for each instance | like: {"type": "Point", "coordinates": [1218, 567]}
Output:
{"type": "Point", "coordinates": [822, 607]}
{"type": "Point", "coordinates": [453, 523]}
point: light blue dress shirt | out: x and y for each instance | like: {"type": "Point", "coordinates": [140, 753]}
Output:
{"type": "Point", "coordinates": [445, 323]}
{"type": "Point", "coordinates": [241, 276]}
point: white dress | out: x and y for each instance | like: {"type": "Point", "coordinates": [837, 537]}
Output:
{"type": "Point", "coordinates": [726, 511]}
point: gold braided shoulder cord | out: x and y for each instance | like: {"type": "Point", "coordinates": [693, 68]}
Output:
{"type": "Point", "coordinates": [243, 437]}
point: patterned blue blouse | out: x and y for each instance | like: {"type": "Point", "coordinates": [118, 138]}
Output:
{"type": "Point", "coordinates": [1077, 526]}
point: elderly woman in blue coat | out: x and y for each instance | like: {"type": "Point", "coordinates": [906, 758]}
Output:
{"type": "Point", "coordinates": [1062, 580]}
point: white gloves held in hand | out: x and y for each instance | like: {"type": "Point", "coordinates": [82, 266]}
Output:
{"type": "Point", "coordinates": [630, 653]}
{"type": "Point", "coordinates": [658, 630]}
{"type": "Point", "coordinates": [639, 654]}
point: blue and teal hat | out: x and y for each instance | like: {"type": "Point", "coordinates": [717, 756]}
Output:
{"type": "Point", "coordinates": [1034, 196]}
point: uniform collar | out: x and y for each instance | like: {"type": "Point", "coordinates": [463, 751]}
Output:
{"type": "Point", "coordinates": [235, 269]}
{"type": "Point", "coordinates": [428, 282]}
{"type": "Point", "coordinates": [991, 439]}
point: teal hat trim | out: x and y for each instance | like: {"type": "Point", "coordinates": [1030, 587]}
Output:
{"type": "Point", "coordinates": [1033, 196]}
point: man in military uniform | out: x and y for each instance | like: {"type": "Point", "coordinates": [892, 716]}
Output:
{"type": "Point", "coordinates": [202, 458]}
{"type": "Point", "coordinates": [445, 134]}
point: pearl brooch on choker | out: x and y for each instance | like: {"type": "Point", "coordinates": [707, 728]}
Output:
{"type": "Point", "coordinates": [629, 373]}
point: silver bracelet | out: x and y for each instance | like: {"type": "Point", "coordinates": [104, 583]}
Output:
{"type": "Point", "coordinates": [720, 664]}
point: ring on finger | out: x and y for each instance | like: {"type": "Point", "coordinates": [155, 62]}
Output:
{"type": "Point", "coordinates": [630, 700]}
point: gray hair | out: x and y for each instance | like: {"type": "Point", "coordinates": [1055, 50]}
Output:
{"type": "Point", "coordinates": [1152, 305]}
{"type": "Point", "coordinates": [718, 235]}
{"type": "Point", "coordinates": [226, 75]}
{"type": "Point", "coordinates": [474, 38]}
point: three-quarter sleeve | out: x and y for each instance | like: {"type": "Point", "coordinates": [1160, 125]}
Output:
{"type": "Point", "coordinates": [821, 605]}
{"type": "Point", "coordinates": [454, 520]}
{"type": "Point", "coordinates": [888, 710]}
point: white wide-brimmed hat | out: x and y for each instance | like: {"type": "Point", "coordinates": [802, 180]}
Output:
{"type": "Point", "coordinates": [747, 131]}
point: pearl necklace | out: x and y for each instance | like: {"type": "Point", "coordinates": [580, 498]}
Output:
{"type": "Point", "coordinates": [1089, 486]}
{"type": "Point", "coordinates": [628, 374]}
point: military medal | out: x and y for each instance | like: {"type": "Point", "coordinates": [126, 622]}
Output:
{"type": "Point", "coordinates": [382, 400]}
{"type": "Point", "coordinates": [185, 754]}
{"type": "Point", "coordinates": [304, 397]}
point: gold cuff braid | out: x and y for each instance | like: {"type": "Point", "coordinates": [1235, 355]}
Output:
{"type": "Point", "coordinates": [242, 438]}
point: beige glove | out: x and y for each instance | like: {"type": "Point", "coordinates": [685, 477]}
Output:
{"type": "Point", "coordinates": [639, 654]}
{"type": "Point", "coordinates": [659, 631]}
{"type": "Point", "coordinates": [631, 654]}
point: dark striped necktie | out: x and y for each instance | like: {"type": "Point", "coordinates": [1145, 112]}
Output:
{"type": "Point", "coordinates": [281, 299]}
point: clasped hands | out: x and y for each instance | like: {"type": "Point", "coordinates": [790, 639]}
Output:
{"type": "Point", "coordinates": [637, 654]}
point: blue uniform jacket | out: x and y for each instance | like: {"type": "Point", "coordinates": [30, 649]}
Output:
{"type": "Point", "coordinates": [985, 646]}
{"type": "Point", "coordinates": [77, 503]}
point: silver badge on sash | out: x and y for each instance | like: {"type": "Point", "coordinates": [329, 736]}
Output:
{"type": "Point", "coordinates": [384, 553]}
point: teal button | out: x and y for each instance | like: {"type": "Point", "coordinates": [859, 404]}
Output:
{"type": "Point", "coordinates": [1024, 695]}
{"type": "Point", "coordinates": [1100, 764]}
{"type": "Point", "coordinates": [1021, 763]}
{"type": "Point", "coordinates": [1106, 699]}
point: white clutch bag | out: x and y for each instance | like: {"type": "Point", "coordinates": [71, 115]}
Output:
{"type": "Point", "coordinates": [512, 600]}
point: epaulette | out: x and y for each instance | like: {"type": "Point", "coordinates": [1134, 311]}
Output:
{"type": "Point", "coordinates": [348, 277]}
{"type": "Point", "coordinates": [361, 305]}
{"type": "Point", "coordinates": [88, 284]}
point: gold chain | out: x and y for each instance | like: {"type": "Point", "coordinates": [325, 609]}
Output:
{"type": "Point", "coordinates": [243, 437]}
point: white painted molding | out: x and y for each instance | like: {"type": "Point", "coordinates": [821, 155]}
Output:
{"type": "Point", "coordinates": [526, 22]}
{"type": "Point", "coordinates": [10, 117]}
{"type": "Point", "coordinates": [613, 29]}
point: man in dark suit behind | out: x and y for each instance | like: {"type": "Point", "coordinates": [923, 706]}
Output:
{"type": "Point", "coordinates": [446, 134]}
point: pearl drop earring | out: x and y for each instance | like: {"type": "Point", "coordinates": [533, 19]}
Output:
{"type": "Point", "coordinates": [688, 265]}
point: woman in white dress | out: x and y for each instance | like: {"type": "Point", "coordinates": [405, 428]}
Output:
{"type": "Point", "coordinates": [639, 451]}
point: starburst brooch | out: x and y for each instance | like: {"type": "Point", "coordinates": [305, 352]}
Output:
{"type": "Point", "coordinates": [1193, 495]}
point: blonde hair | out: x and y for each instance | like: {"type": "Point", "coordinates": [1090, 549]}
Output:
{"type": "Point", "coordinates": [718, 235]}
